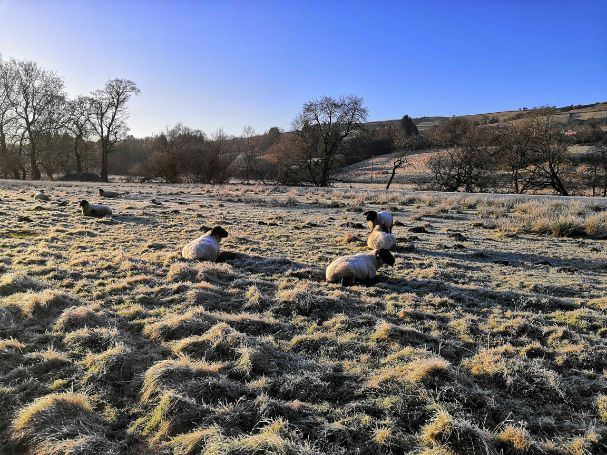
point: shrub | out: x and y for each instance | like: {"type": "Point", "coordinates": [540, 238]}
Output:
{"type": "Point", "coordinates": [596, 226]}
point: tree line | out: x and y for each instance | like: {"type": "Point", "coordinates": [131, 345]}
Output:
{"type": "Point", "coordinates": [42, 130]}
{"type": "Point", "coordinates": [533, 152]}
{"type": "Point", "coordinates": [327, 134]}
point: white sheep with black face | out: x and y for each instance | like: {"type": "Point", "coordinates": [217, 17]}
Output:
{"type": "Point", "coordinates": [205, 247]}
{"type": "Point", "coordinates": [383, 218]}
{"type": "Point", "coordinates": [41, 196]}
{"type": "Point", "coordinates": [380, 238]}
{"type": "Point", "coordinates": [106, 193]}
{"type": "Point", "coordinates": [358, 268]}
{"type": "Point", "coordinates": [95, 210]}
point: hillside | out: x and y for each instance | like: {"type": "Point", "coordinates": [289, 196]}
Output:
{"type": "Point", "coordinates": [579, 113]}
{"type": "Point", "coordinates": [415, 175]}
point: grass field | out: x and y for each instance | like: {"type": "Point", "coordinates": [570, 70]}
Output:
{"type": "Point", "coordinates": [489, 335]}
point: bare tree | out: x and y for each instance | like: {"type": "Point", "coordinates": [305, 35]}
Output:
{"type": "Point", "coordinates": [8, 165]}
{"type": "Point", "coordinates": [285, 161]}
{"type": "Point", "coordinates": [174, 151]}
{"type": "Point", "coordinates": [405, 145]}
{"type": "Point", "coordinates": [215, 163]}
{"type": "Point", "coordinates": [548, 149]}
{"type": "Point", "coordinates": [322, 126]}
{"type": "Point", "coordinates": [249, 153]}
{"type": "Point", "coordinates": [467, 165]}
{"type": "Point", "coordinates": [596, 161]}
{"type": "Point", "coordinates": [78, 124]}
{"type": "Point", "coordinates": [109, 114]}
{"type": "Point", "coordinates": [515, 155]}
{"type": "Point", "coordinates": [36, 99]}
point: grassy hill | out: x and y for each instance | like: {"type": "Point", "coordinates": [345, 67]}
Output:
{"type": "Point", "coordinates": [377, 170]}
{"type": "Point", "coordinates": [572, 113]}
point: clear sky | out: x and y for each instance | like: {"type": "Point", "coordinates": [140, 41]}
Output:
{"type": "Point", "coordinates": [212, 64]}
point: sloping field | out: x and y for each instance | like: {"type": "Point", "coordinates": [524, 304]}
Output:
{"type": "Point", "coordinates": [415, 174]}
{"type": "Point", "coordinates": [597, 111]}
{"type": "Point", "coordinates": [487, 336]}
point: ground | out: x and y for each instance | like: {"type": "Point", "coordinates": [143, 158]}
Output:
{"type": "Point", "coordinates": [487, 336]}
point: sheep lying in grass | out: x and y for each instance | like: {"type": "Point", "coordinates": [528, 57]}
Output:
{"type": "Point", "coordinates": [382, 218]}
{"type": "Point", "coordinates": [96, 210]}
{"type": "Point", "coordinates": [41, 196]}
{"type": "Point", "coordinates": [105, 193]}
{"type": "Point", "coordinates": [380, 239]}
{"type": "Point", "coordinates": [205, 247]}
{"type": "Point", "coordinates": [358, 268]}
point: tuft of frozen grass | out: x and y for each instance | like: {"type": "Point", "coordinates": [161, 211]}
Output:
{"type": "Point", "coordinates": [61, 423]}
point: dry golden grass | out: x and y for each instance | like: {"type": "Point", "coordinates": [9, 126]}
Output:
{"type": "Point", "coordinates": [488, 336]}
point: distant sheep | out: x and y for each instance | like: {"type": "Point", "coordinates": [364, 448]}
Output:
{"type": "Point", "coordinates": [382, 218]}
{"type": "Point", "coordinates": [358, 268]}
{"type": "Point", "coordinates": [105, 193]}
{"type": "Point", "coordinates": [205, 247]}
{"type": "Point", "coordinates": [96, 210]}
{"type": "Point", "coordinates": [380, 239]}
{"type": "Point", "coordinates": [41, 196]}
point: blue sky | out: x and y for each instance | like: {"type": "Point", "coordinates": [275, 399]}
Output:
{"type": "Point", "coordinates": [212, 64]}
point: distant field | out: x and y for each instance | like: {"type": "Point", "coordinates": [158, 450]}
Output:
{"type": "Point", "coordinates": [489, 335]}
{"type": "Point", "coordinates": [596, 111]}
{"type": "Point", "coordinates": [415, 175]}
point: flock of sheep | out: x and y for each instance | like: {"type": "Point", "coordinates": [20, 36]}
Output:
{"type": "Point", "coordinates": [351, 269]}
{"type": "Point", "coordinates": [356, 268]}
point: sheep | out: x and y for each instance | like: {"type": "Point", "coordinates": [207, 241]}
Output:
{"type": "Point", "coordinates": [379, 218]}
{"type": "Point", "coordinates": [105, 193]}
{"type": "Point", "coordinates": [205, 247]}
{"type": "Point", "coordinates": [41, 196]}
{"type": "Point", "coordinates": [96, 210]}
{"type": "Point", "coordinates": [380, 238]}
{"type": "Point", "coordinates": [358, 267]}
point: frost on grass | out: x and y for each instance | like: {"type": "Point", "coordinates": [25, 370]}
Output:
{"type": "Point", "coordinates": [489, 336]}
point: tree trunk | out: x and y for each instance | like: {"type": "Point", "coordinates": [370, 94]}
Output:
{"type": "Point", "coordinates": [10, 167]}
{"type": "Point", "coordinates": [78, 157]}
{"type": "Point", "coordinates": [104, 153]}
{"type": "Point", "coordinates": [34, 165]}
{"type": "Point", "coordinates": [394, 168]}
{"type": "Point", "coordinates": [556, 183]}
{"type": "Point", "coordinates": [594, 181]}
{"type": "Point", "coordinates": [515, 180]}
{"type": "Point", "coordinates": [324, 176]}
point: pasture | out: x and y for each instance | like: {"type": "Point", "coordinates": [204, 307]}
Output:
{"type": "Point", "coordinates": [489, 334]}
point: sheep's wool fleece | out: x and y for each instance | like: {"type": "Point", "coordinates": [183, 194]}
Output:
{"type": "Point", "coordinates": [41, 197]}
{"type": "Point", "coordinates": [109, 194]}
{"type": "Point", "coordinates": [205, 248]}
{"type": "Point", "coordinates": [98, 210]}
{"type": "Point", "coordinates": [383, 219]}
{"type": "Point", "coordinates": [358, 267]}
{"type": "Point", "coordinates": [379, 239]}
